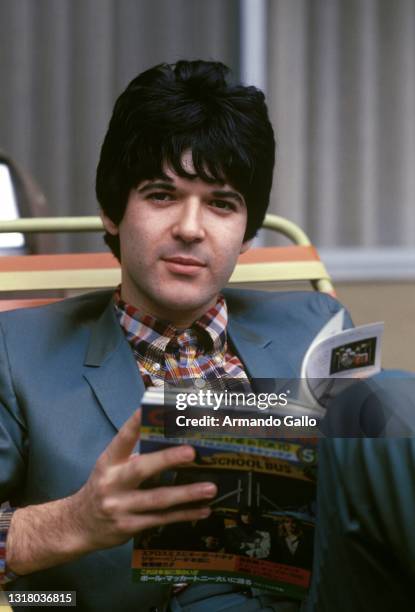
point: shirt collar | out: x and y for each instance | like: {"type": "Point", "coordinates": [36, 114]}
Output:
{"type": "Point", "coordinates": [144, 330]}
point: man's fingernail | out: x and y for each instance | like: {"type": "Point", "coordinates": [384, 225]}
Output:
{"type": "Point", "coordinates": [208, 490]}
{"type": "Point", "coordinates": [204, 512]}
{"type": "Point", "coordinates": [188, 452]}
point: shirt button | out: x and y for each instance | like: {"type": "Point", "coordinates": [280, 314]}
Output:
{"type": "Point", "coordinates": [200, 383]}
{"type": "Point", "coordinates": [218, 359]}
{"type": "Point", "coordinates": [157, 366]}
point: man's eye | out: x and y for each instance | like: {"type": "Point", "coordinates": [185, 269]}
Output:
{"type": "Point", "coordinates": [160, 196]}
{"type": "Point", "coordinates": [222, 205]}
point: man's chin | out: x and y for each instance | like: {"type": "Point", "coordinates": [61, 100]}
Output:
{"type": "Point", "coordinates": [185, 304]}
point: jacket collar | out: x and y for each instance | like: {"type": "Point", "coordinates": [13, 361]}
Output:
{"type": "Point", "coordinates": [112, 373]}
{"type": "Point", "coordinates": [111, 370]}
{"type": "Point", "coordinates": [261, 356]}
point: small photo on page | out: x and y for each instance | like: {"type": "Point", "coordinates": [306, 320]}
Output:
{"type": "Point", "coordinates": [354, 355]}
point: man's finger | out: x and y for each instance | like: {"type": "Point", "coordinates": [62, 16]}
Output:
{"type": "Point", "coordinates": [121, 447]}
{"type": "Point", "coordinates": [147, 521]}
{"type": "Point", "coordinates": [142, 467]}
{"type": "Point", "coordinates": [162, 498]}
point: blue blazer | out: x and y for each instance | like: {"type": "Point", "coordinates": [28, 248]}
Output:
{"type": "Point", "coordinates": [69, 380]}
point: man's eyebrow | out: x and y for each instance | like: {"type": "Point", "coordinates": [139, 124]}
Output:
{"type": "Point", "coordinates": [157, 185]}
{"type": "Point", "coordinates": [170, 186]}
{"type": "Point", "coordinates": [225, 193]}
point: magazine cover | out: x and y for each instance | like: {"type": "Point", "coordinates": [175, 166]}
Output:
{"type": "Point", "coordinates": [260, 532]}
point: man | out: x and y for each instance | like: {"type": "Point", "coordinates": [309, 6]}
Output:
{"type": "Point", "coordinates": [183, 182]}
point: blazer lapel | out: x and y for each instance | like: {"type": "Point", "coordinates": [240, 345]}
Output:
{"type": "Point", "coordinates": [111, 370]}
{"type": "Point", "coordinates": [262, 357]}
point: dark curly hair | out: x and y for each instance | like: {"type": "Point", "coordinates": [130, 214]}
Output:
{"type": "Point", "coordinates": [190, 105]}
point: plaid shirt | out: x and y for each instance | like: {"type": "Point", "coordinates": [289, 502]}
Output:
{"type": "Point", "coordinates": [165, 354]}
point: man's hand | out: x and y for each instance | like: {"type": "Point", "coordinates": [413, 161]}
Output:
{"type": "Point", "coordinates": [108, 510]}
{"type": "Point", "coordinates": [112, 508]}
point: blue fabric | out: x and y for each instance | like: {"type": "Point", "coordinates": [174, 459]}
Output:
{"type": "Point", "coordinates": [365, 539]}
{"type": "Point", "coordinates": [381, 406]}
{"type": "Point", "coordinates": [205, 598]}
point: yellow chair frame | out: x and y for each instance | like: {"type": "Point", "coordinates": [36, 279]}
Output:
{"type": "Point", "coordinates": [88, 271]}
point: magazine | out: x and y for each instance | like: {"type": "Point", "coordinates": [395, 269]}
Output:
{"type": "Point", "coordinates": [260, 531]}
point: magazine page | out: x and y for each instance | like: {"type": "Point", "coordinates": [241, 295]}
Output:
{"type": "Point", "coordinates": [332, 327]}
{"type": "Point", "coordinates": [352, 353]}
{"type": "Point", "coordinates": [339, 354]}
{"type": "Point", "coordinates": [260, 532]}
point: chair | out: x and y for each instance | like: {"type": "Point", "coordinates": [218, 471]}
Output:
{"type": "Point", "coordinates": [30, 202]}
{"type": "Point", "coordinates": [83, 271]}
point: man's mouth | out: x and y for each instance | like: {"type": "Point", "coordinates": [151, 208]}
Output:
{"type": "Point", "coordinates": [188, 266]}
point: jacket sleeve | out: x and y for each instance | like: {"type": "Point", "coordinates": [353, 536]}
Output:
{"type": "Point", "coordinates": [13, 438]}
{"type": "Point", "coordinates": [334, 306]}
{"type": "Point", "coordinates": [365, 542]}
{"type": "Point", "coordinates": [12, 452]}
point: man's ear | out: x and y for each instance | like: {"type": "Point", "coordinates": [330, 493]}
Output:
{"type": "Point", "coordinates": [109, 225]}
{"type": "Point", "coordinates": [246, 245]}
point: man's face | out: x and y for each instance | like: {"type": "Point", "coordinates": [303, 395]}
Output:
{"type": "Point", "coordinates": [247, 518]}
{"type": "Point", "coordinates": [289, 525]}
{"type": "Point", "coordinates": [180, 239]}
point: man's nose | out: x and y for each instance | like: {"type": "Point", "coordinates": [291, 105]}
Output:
{"type": "Point", "coordinates": [189, 224]}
